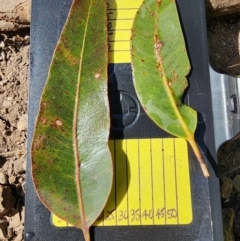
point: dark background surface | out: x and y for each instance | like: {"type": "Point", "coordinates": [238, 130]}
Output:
{"type": "Point", "coordinates": [48, 18]}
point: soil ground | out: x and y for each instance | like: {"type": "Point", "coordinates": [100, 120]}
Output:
{"type": "Point", "coordinates": [224, 43]}
{"type": "Point", "coordinates": [224, 50]}
{"type": "Point", "coordinates": [14, 63]}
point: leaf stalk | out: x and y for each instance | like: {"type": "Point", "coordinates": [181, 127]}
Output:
{"type": "Point", "coordinates": [86, 234]}
{"type": "Point", "coordinates": [198, 155]}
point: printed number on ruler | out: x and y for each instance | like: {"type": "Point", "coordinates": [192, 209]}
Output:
{"type": "Point", "coordinates": [151, 184]}
{"type": "Point", "coordinates": [120, 15]}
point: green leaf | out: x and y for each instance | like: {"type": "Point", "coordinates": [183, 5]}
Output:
{"type": "Point", "coordinates": [71, 162]}
{"type": "Point", "coordinates": [160, 66]}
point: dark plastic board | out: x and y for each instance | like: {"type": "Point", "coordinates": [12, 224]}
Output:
{"type": "Point", "coordinates": [48, 18]}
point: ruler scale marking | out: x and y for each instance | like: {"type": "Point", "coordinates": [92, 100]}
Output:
{"type": "Point", "coordinates": [152, 180]}
{"type": "Point", "coordinates": [164, 187]}
{"type": "Point", "coordinates": [139, 170]}
{"type": "Point", "coordinates": [127, 181]}
{"type": "Point", "coordinates": [115, 180]}
{"type": "Point", "coordinates": [175, 167]}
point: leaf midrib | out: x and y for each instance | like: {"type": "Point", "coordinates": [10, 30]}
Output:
{"type": "Point", "coordinates": [84, 227]}
{"type": "Point", "coordinates": [169, 91]}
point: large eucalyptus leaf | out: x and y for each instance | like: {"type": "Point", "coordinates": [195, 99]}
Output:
{"type": "Point", "coordinates": [71, 162]}
{"type": "Point", "coordinates": [160, 66]}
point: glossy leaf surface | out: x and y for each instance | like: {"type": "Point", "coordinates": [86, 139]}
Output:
{"type": "Point", "coordinates": [160, 66]}
{"type": "Point", "coordinates": [71, 162]}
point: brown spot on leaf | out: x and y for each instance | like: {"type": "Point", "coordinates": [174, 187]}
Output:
{"type": "Point", "coordinates": [44, 104]}
{"type": "Point", "coordinates": [78, 224]}
{"type": "Point", "coordinates": [67, 54]}
{"type": "Point", "coordinates": [152, 14]}
{"type": "Point", "coordinates": [142, 60]}
{"type": "Point", "coordinates": [50, 161]}
{"type": "Point", "coordinates": [76, 217]}
{"type": "Point", "coordinates": [158, 2]}
{"type": "Point", "coordinates": [58, 123]}
{"type": "Point", "coordinates": [43, 120]}
{"type": "Point", "coordinates": [175, 76]}
{"type": "Point", "coordinates": [38, 142]}
{"type": "Point", "coordinates": [158, 44]}
{"type": "Point", "coordinates": [97, 75]}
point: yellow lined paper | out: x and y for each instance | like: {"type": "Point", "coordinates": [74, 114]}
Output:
{"type": "Point", "coordinates": [151, 184]}
{"type": "Point", "coordinates": [120, 15]}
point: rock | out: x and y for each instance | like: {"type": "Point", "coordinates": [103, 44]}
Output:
{"type": "Point", "coordinates": [19, 228]}
{"type": "Point", "coordinates": [236, 182]}
{"type": "Point", "coordinates": [6, 103]}
{"type": "Point", "coordinates": [24, 186]}
{"type": "Point", "coordinates": [10, 233]}
{"type": "Point", "coordinates": [3, 178]}
{"type": "Point", "coordinates": [23, 215]}
{"type": "Point", "coordinates": [5, 166]}
{"type": "Point", "coordinates": [226, 186]}
{"type": "Point", "coordinates": [19, 165]}
{"type": "Point", "coordinates": [228, 215]}
{"type": "Point", "coordinates": [24, 165]}
{"type": "Point", "coordinates": [15, 221]}
{"type": "Point", "coordinates": [2, 44]}
{"type": "Point", "coordinates": [3, 229]}
{"type": "Point", "coordinates": [222, 7]}
{"type": "Point", "coordinates": [7, 200]}
{"type": "Point", "coordinates": [2, 126]}
{"type": "Point", "coordinates": [10, 171]}
{"type": "Point", "coordinates": [20, 180]}
{"type": "Point", "coordinates": [12, 179]}
{"type": "Point", "coordinates": [14, 15]}
{"type": "Point", "coordinates": [22, 123]}
{"type": "Point", "coordinates": [19, 236]}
